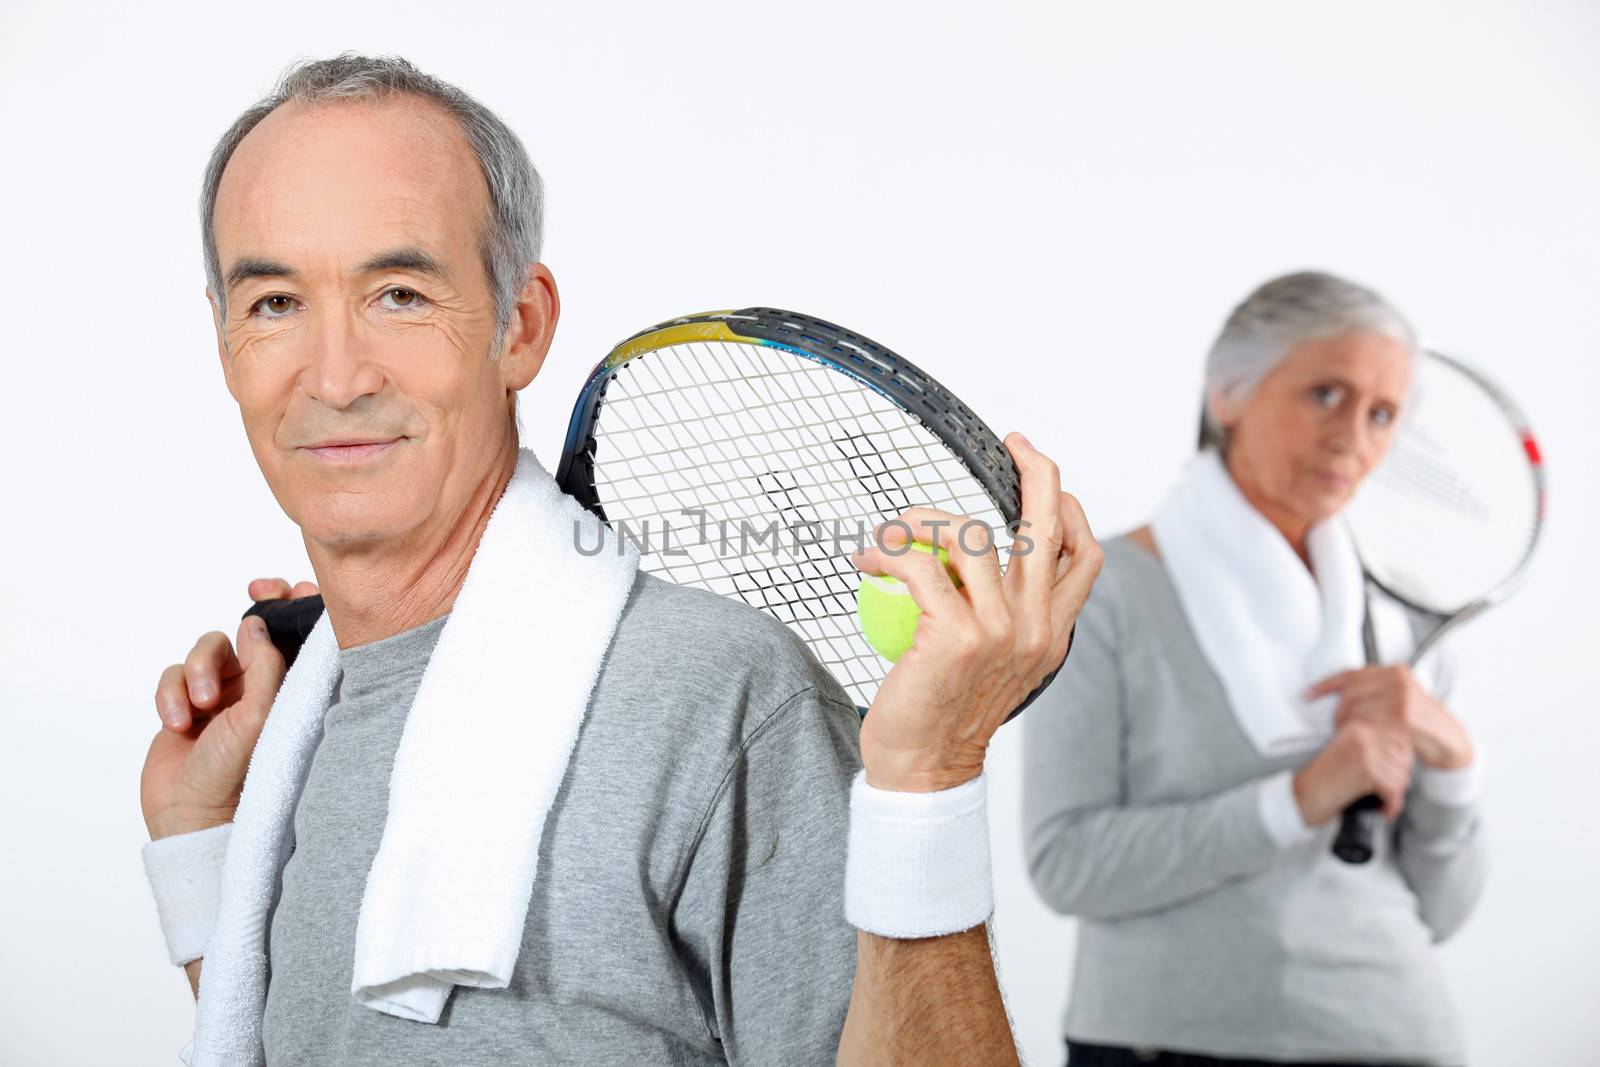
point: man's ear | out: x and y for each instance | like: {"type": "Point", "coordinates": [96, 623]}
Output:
{"type": "Point", "coordinates": [222, 345]}
{"type": "Point", "coordinates": [532, 328]}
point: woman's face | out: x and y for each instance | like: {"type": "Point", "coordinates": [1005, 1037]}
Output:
{"type": "Point", "coordinates": [1316, 425]}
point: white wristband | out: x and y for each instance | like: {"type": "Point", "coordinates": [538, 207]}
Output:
{"type": "Point", "coordinates": [1279, 811]}
{"type": "Point", "coordinates": [1458, 788]}
{"type": "Point", "coordinates": [918, 863]}
{"type": "Point", "coordinates": [185, 872]}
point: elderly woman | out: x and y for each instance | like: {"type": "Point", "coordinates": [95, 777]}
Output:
{"type": "Point", "coordinates": [1186, 773]}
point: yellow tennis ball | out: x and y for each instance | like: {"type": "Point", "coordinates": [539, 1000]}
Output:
{"type": "Point", "coordinates": [887, 611]}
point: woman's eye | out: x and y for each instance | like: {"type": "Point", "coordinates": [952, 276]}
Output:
{"type": "Point", "coordinates": [275, 306]}
{"type": "Point", "coordinates": [1327, 396]}
{"type": "Point", "coordinates": [403, 299]}
{"type": "Point", "coordinates": [1382, 416]}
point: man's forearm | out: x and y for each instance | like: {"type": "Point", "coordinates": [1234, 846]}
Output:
{"type": "Point", "coordinates": [929, 1000]}
{"type": "Point", "coordinates": [192, 969]}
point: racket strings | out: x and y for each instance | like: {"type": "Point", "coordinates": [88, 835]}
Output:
{"type": "Point", "coordinates": [773, 446]}
{"type": "Point", "coordinates": [1451, 514]}
{"type": "Point", "coordinates": [807, 593]}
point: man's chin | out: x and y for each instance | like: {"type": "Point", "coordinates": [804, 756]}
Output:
{"type": "Point", "coordinates": [347, 520]}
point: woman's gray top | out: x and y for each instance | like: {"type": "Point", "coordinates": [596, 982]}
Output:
{"type": "Point", "coordinates": [1199, 931]}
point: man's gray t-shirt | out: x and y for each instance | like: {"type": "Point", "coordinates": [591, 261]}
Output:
{"type": "Point", "coordinates": [688, 907]}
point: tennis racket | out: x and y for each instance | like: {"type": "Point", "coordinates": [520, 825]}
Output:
{"type": "Point", "coordinates": [1447, 523]}
{"type": "Point", "coordinates": [746, 452]}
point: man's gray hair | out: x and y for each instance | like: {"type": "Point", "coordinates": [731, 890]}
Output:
{"type": "Point", "coordinates": [1304, 306]}
{"type": "Point", "coordinates": [514, 229]}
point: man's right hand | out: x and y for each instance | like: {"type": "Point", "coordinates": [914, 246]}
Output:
{"type": "Point", "coordinates": [212, 708]}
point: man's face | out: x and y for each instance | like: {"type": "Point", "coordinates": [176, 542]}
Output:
{"type": "Point", "coordinates": [358, 309]}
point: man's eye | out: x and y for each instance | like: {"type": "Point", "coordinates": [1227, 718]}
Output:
{"type": "Point", "coordinates": [403, 299]}
{"type": "Point", "coordinates": [1382, 416]}
{"type": "Point", "coordinates": [275, 306]}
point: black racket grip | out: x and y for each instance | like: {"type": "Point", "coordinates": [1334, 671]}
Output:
{"type": "Point", "coordinates": [1358, 829]}
{"type": "Point", "coordinates": [289, 622]}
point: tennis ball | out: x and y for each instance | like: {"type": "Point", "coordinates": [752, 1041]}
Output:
{"type": "Point", "coordinates": [887, 611]}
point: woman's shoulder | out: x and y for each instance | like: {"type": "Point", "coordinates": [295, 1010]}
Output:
{"type": "Point", "coordinates": [1130, 580]}
{"type": "Point", "coordinates": [1132, 559]}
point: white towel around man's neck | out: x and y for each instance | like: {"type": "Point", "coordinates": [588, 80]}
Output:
{"type": "Point", "coordinates": [482, 754]}
{"type": "Point", "coordinates": [1269, 627]}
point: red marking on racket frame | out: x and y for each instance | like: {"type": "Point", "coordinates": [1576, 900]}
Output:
{"type": "Point", "coordinates": [1531, 447]}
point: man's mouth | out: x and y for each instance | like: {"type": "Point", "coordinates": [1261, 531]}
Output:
{"type": "Point", "coordinates": [355, 450]}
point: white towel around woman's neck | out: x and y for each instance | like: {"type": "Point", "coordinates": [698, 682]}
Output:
{"type": "Point", "coordinates": [482, 754]}
{"type": "Point", "coordinates": [1269, 627]}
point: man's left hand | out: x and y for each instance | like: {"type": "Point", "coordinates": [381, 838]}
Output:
{"type": "Point", "coordinates": [982, 647]}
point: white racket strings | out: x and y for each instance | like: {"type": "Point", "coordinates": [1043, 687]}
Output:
{"type": "Point", "coordinates": [1451, 513]}
{"type": "Point", "coordinates": [751, 471]}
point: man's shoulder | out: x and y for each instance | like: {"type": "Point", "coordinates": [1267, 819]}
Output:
{"type": "Point", "coordinates": [689, 647]}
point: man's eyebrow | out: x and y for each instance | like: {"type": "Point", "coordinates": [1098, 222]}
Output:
{"type": "Point", "coordinates": [255, 267]}
{"type": "Point", "coordinates": [409, 258]}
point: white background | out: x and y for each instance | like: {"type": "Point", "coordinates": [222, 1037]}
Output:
{"type": "Point", "coordinates": [1051, 207]}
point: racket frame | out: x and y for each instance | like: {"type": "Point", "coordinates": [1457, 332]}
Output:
{"type": "Point", "coordinates": [1449, 620]}
{"type": "Point", "coordinates": [873, 365]}
{"type": "Point", "coordinates": [878, 368]}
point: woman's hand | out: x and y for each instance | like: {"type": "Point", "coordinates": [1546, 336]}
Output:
{"type": "Point", "coordinates": [980, 649]}
{"type": "Point", "coordinates": [1364, 757]}
{"type": "Point", "coordinates": [1392, 696]}
{"type": "Point", "coordinates": [212, 707]}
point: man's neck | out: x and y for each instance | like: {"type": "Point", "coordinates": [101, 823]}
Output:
{"type": "Point", "coordinates": [373, 595]}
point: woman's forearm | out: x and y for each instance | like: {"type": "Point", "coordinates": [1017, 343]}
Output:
{"type": "Point", "coordinates": [1112, 862]}
{"type": "Point", "coordinates": [1444, 858]}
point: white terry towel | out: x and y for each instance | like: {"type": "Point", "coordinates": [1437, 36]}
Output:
{"type": "Point", "coordinates": [483, 752]}
{"type": "Point", "coordinates": [1268, 627]}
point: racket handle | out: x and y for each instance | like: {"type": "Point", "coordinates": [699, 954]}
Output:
{"type": "Point", "coordinates": [1358, 829]}
{"type": "Point", "coordinates": [289, 622]}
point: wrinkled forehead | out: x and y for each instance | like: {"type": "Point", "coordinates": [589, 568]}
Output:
{"type": "Point", "coordinates": [327, 183]}
{"type": "Point", "coordinates": [1373, 362]}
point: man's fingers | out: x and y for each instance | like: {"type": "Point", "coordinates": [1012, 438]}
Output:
{"type": "Point", "coordinates": [1083, 556]}
{"type": "Point", "coordinates": [209, 667]}
{"type": "Point", "coordinates": [269, 589]}
{"type": "Point", "coordinates": [278, 589]}
{"type": "Point", "coordinates": [970, 544]}
{"type": "Point", "coordinates": [172, 700]}
{"type": "Point", "coordinates": [924, 575]}
{"type": "Point", "coordinates": [264, 667]}
{"type": "Point", "coordinates": [1032, 567]}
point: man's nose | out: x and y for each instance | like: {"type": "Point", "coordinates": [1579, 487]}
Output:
{"type": "Point", "coordinates": [340, 368]}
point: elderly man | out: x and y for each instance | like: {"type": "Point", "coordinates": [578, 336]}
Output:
{"type": "Point", "coordinates": [372, 251]}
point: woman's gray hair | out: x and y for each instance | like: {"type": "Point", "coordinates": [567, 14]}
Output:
{"type": "Point", "coordinates": [1304, 306]}
{"type": "Point", "coordinates": [513, 231]}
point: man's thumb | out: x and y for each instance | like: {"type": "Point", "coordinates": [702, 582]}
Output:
{"type": "Point", "coordinates": [263, 664]}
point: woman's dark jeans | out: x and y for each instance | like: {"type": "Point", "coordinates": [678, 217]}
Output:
{"type": "Point", "coordinates": [1082, 1055]}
